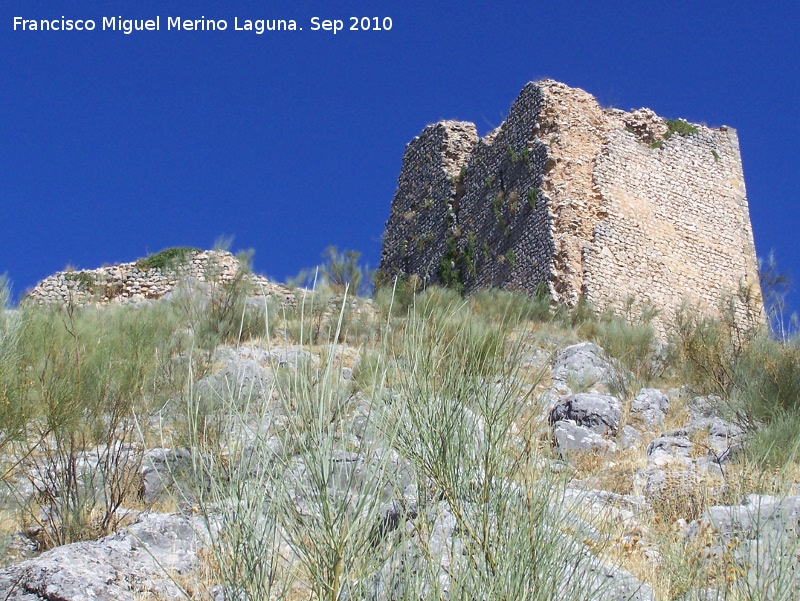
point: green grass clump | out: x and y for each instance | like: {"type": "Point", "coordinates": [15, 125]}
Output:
{"type": "Point", "coordinates": [680, 127]}
{"type": "Point", "coordinates": [629, 336]}
{"type": "Point", "coordinates": [497, 305]}
{"type": "Point", "coordinates": [533, 197]}
{"type": "Point", "coordinates": [451, 268]}
{"type": "Point", "coordinates": [84, 279]}
{"type": "Point", "coordinates": [169, 258]}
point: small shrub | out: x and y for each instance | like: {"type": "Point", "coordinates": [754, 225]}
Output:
{"type": "Point", "coordinates": [469, 255]}
{"type": "Point", "coordinates": [12, 412]}
{"type": "Point", "coordinates": [533, 197]}
{"type": "Point", "coordinates": [83, 279]}
{"type": "Point", "coordinates": [167, 259]}
{"type": "Point", "coordinates": [394, 298]}
{"type": "Point", "coordinates": [756, 375]}
{"type": "Point", "coordinates": [680, 127]}
{"type": "Point", "coordinates": [497, 205]}
{"type": "Point", "coordinates": [342, 270]}
{"type": "Point", "coordinates": [707, 349]}
{"type": "Point", "coordinates": [775, 287]}
{"type": "Point", "coordinates": [90, 375]}
{"type": "Point", "coordinates": [450, 269]}
{"type": "Point", "coordinates": [630, 338]}
{"type": "Point", "coordinates": [766, 381]}
{"type": "Point", "coordinates": [582, 317]}
{"type": "Point", "coordinates": [217, 310]}
{"type": "Point", "coordinates": [775, 443]}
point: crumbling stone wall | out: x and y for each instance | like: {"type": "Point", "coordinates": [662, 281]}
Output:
{"type": "Point", "coordinates": [586, 201]}
{"type": "Point", "coordinates": [423, 208]}
{"type": "Point", "coordinates": [128, 283]}
{"type": "Point", "coordinates": [675, 226]}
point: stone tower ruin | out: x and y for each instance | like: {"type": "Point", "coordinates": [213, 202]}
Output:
{"type": "Point", "coordinates": [587, 201]}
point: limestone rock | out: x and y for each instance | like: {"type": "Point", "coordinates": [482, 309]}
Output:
{"type": "Point", "coordinates": [598, 412]}
{"type": "Point", "coordinates": [571, 437]}
{"type": "Point", "coordinates": [585, 365]}
{"type": "Point", "coordinates": [650, 407]}
{"type": "Point", "coordinates": [119, 567]}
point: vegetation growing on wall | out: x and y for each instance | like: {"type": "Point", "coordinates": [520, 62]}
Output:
{"type": "Point", "coordinates": [450, 269]}
{"type": "Point", "coordinates": [680, 127]}
{"type": "Point", "coordinates": [169, 258]}
{"type": "Point", "coordinates": [83, 279]}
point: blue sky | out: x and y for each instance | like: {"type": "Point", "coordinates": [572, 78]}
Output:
{"type": "Point", "coordinates": [117, 145]}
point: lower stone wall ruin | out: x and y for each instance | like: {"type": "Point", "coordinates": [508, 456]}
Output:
{"type": "Point", "coordinates": [130, 283]}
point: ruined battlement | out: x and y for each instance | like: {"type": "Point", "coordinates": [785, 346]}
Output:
{"type": "Point", "coordinates": [143, 280]}
{"type": "Point", "coordinates": [586, 201]}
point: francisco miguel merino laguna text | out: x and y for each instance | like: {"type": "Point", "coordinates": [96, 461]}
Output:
{"type": "Point", "coordinates": [259, 26]}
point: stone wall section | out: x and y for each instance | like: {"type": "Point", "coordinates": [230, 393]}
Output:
{"type": "Point", "coordinates": [575, 128]}
{"type": "Point", "coordinates": [592, 202]}
{"type": "Point", "coordinates": [126, 283]}
{"type": "Point", "coordinates": [476, 205]}
{"type": "Point", "coordinates": [676, 222]}
{"type": "Point", "coordinates": [426, 199]}
{"type": "Point", "coordinates": [503, 223]}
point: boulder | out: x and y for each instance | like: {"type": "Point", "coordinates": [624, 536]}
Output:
{"type": "Point", "coordinates": [585, 366]}
{"type": "Point", "coordinates": [573, 438]}
{"type": "Point", "coordinates": [649, 407]}
{"type": "Point", "coordinates": [598, 412]}
{"type": "Point", "coordinates": [125, 566]}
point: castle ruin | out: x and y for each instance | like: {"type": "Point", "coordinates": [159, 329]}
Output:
{"type": "Point", "coordinates": [587, 201]}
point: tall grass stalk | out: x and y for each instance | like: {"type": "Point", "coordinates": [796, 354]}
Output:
{"type": "Point", "coordinates": [235, 481]}
{"type": "Point", "coordinates": [295, 498]}
{"type": "Point", "coordinates": [12, 413]}
{"type": "Point", "coordinates": [455, 418]}
{"type": "Point", "coordinates": [84, 375]}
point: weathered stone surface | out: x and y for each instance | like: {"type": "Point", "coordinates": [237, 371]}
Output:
{"type": "Point", "coordinates": [120, 567]}
{"type": "Point", "coordinates": [629, 437]}
{"type": "Point", "coordinates": [127, 283]}
{"type": "Point", "coordinates": [650, 407]}
{"type": "Point", "coordinates": [161, 468]}
{"type": "Point", "coordinates": [571, 437]}
{"type": "Point", "coordinates": [762, 538]}
{"type": "Point", "coordinates": [240, 379]}
{"type": "Point", "coordinates": [584, 365]}
{"type": "Point", "coordinates": [350, 476]}
{"type": "Point", "coordinates": [580, 199]}
{"type": "Point", "coordinates": [598, 412]}
{"type": "Point", "coordinates": [757, 516]}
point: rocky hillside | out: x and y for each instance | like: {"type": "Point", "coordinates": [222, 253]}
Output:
{"type": "Point", "coordinates": [217, 444]}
